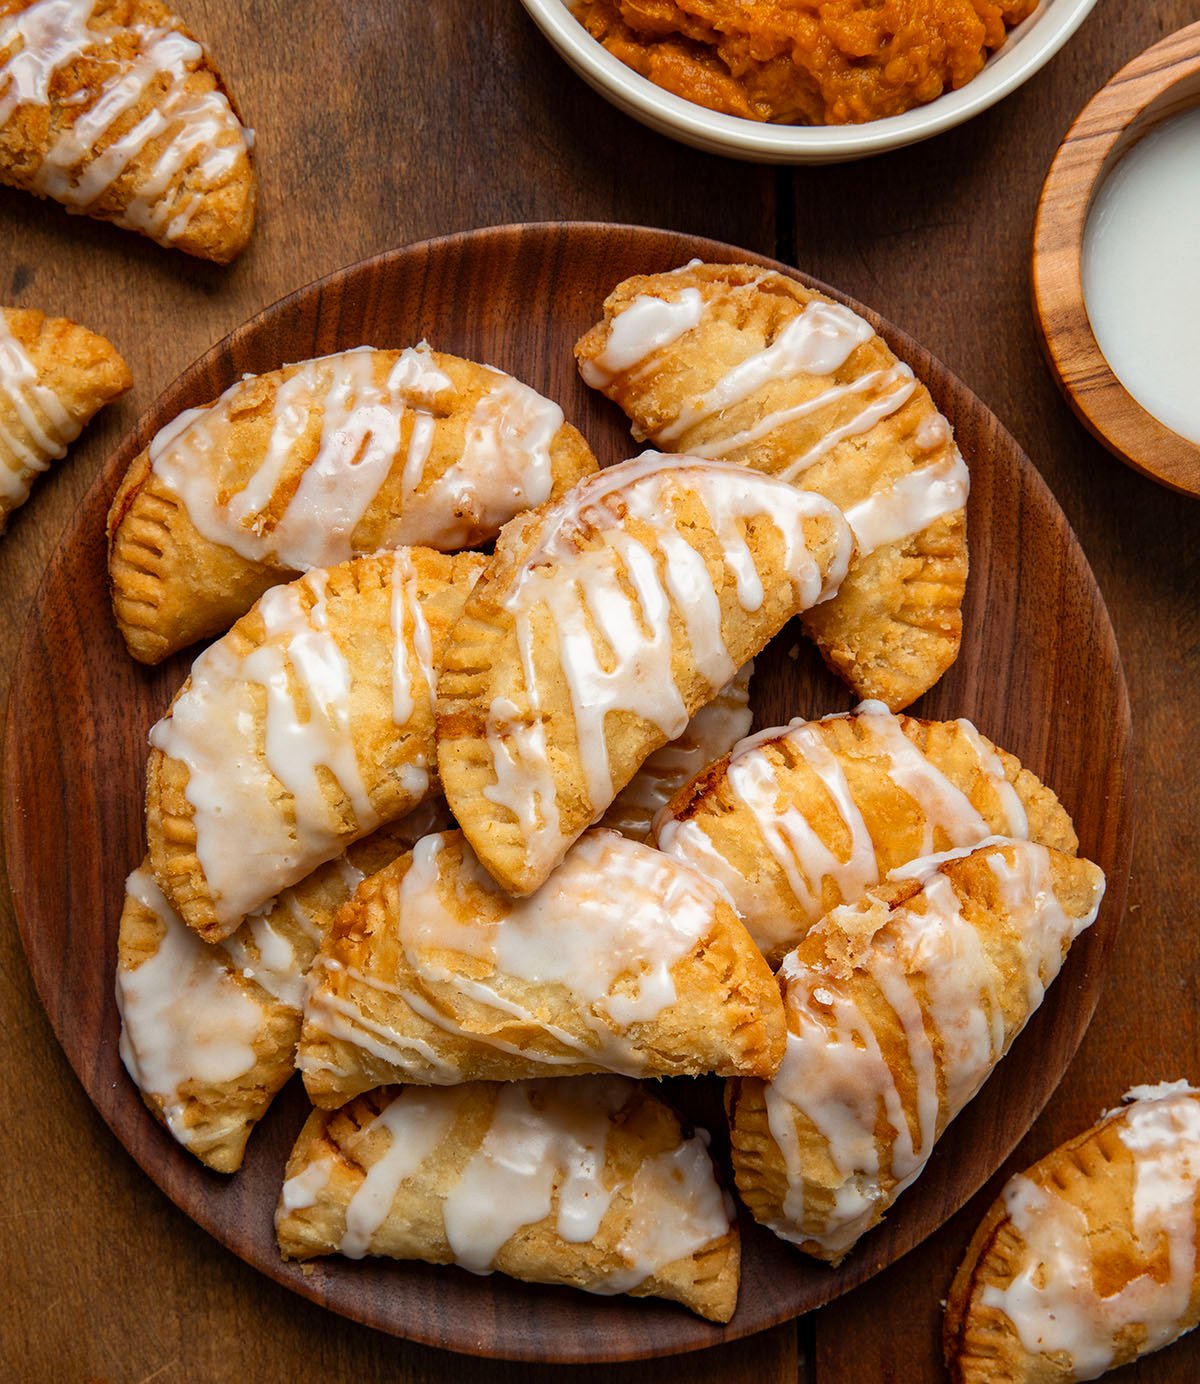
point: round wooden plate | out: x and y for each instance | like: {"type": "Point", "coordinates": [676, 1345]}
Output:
{"type": "Point", "coordinates": [1039, 672]}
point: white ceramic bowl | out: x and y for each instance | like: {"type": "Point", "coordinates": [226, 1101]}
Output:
{"type": "Point", "coordinates": [1029, 47]}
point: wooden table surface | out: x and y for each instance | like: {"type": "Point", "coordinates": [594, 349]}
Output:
{"type": "Point", "coordinates": [383, 123]}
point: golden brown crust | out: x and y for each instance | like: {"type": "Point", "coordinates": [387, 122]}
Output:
{"type": "Point", "coordinates": [896, 623]}
{"type": "Point", "coordinates": [358, 605]}
{"type": "Point", "coordinates": [172, 584]}
{"type": "Point", "coordinates": [54, 376]}
{"type": "Point", "coordinates": [485, 705]}
{"type": "Point", "coordinates": [380, 1012]}
{"type": "Point", "coordinates": [895, 820]}
{"type": "Point", "coordinates": [207, 205]}
{"type": "Point", "coordinates": [265, 961]}
{"type": "Point", "coordinates": [835, 966]}
{"type": "Point", "coordinates": [349, 1143]}
{"type": "Point", "coordinates": [1092, 1180]}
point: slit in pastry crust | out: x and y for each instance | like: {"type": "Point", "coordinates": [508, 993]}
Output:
{"type": "Point", "coordinates": [811, 815]}
{"type": "Point", "coordinates": [111, 108]}
{"type": "Point", "coordinates": [316, 463]}
{"type": "Point", "coordinates": [738, 362]}
{"type": "Point", "coordinates": [1087, 1260]}
{"type": "Point", "coordinates": [302, 730]}
{"type": "Point", "coordinates": [600, 625]}
{"type": "Point", "coordinates": [587, 1181]}
{"type": "Point", "coordinates": [623, 961]}
{"type": "Point", "coordinates": [898, 1008]}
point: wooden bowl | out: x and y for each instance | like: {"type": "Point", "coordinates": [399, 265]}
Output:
{"type": "Point", "coordinates": [1039, 673]}
{"type": "Point", "coordinates": [1161, 82]}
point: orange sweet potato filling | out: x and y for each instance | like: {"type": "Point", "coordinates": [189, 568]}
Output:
{"type": "Point", "coordinates": [804, 62]}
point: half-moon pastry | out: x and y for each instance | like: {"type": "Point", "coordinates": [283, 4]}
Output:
{"type": "Point", "coordinates": [898, 1008]}
{"type": "Point", "coordinates": [314, 464]}
{"type": "Point", "coordinates": [112, 108]}
{"type": "Point", "coordinates": [808, 816]}
{"type": "Point", "coordinates": [54, 375]}
{"type": "Point", "coordinates": [624, 960]}
{"type": "Point", "coordinates": [600, 625]}
{"type": "Point", "coordinates": [738, 362]}
{"type": "Point", "coordinates": [1088, 1260]}
{"type": "Point", "coordinates": [588, 1182]}
{"type": "Point", "coordinates": [712, 732]}
{"type": "Point", "coordinates": [305, 728]}
{"type": "Point", "coordinates": [209, 1030]}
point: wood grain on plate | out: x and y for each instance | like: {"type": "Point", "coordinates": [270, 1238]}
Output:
{"type": "Point", "coordinates": [1157, 84]}
{"type": "Point", "coordinates": [1039, 673]}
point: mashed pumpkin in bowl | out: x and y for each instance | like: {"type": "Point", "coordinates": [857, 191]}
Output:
{"type": "Point", "coordinates": [804, 62]}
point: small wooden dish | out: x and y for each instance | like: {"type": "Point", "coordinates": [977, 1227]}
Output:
{"type": "Point", "coordinates": [1159, 83]}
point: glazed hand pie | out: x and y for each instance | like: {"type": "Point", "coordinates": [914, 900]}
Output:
{"type": "Point", "coordinates": [208, 1031]}
{"type": "Point", "coordinates": [1088, 1260]}
{"type": "Point", "coordinates": [712, 732]}
{"type": "Point", "coordinates": [737, 362]}
{"type": "Point", "coordinates": [54, 375]}
{"type": "Point", "coordinates": [811, 815]}
{"type": "Point", "coordinates": [898, 1008]}
{"type": "Point", "coordinates": [600, 625]}
{"type": "Point", "coordinates": [316, 463]}
{"type": "Point", "coordinates": [588, 1182]}
{"type": "Point", "coordinates": [113, 109]}
{"type": "Point", "coordinates": [623, 961]}
{"type": "Point", "coordinates": [305, 728]}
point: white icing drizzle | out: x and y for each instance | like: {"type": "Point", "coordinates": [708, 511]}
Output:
{"type": "Point", "coordinates": [408, 620]}
{"type": "Point", "coordinates": [910, 504]}
{"type": "Point", "coordinates": [247, 842]}
{"type": "Point", "coordinates": [615, 960]}
{"type": "Point", "coordinates": [546, 1143]}
{"type": "Point", "coordinates": [712, 732]}
{"type": "Point", "coordinates": [677, 1208]}
{"type": "Point", "coordinates": [807, 859]}
{"type": "Point", "coordinates": [610, 607]}
{"type": "Point", "coordinates": [42, 428]}
{"type": "Point", "coordinates": [544, 1156]}
{"type": "Point", "coordinates": [184, 1018]}
{"type": "Point", "coordinates": [504, 465]}
{"type": "Point", "coordinates": [638, 331]}
{"type": "Point", "coordinates": [55, 33]}
{"type": "Point", "coordinates": [1052, 1302]}
{"type": "Point", "coordinates": [883, 406]}
{"type": "Point", "coordinates": [928, 961]}
{"type": "Point", "coordinates": [817, 342]}
{"type": "Point", "coordinates": [304, 1188]}
{"type": "Point", "coordinates": [416, 1123]}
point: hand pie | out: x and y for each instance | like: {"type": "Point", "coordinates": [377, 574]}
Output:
{"type": "Point", "coordinates": [623, 961]}
{"type": "Point", "coordinates": [113, 109]}
{"type": "Point", "coordinates": [208, 1031]}
{"type": "Point", "coordinates": [734, 361]}
{"type": "Point", "coordinates": [1088, 1260]}
{"type": "Point", "coordinates": [316, 463]}
{"type": "Point", "coordinates": [712, 732]}
{"type": "Point", "coordinates": [305, 728]}
{"type": "Point", "coordinates": [54, 375]}
{"type": "Point", "coordinates": [588, 1182]}
{"type": "Point", "coordinates": [600, 625]}
{"type": "Point", "coordinates": [898, 1008]}
{"type": "Point", "coordinates": [800, 819]}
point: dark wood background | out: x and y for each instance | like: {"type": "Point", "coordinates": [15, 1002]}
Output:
{"type": "Point", "coordinates": [388, 122]}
